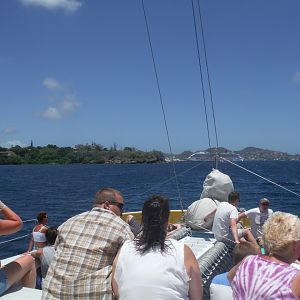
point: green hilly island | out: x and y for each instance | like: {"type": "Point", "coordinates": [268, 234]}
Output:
{"type": "Point", "coordinates": [97, 154]}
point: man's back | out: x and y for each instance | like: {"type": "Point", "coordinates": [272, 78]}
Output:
{"type": "Point", "coordinates": [221, 224]}
{"type": "Point", "coordinates": [85, 248]}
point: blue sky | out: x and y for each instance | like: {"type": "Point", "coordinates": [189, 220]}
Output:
{"type": "Point", "coordinates": [75, 72]}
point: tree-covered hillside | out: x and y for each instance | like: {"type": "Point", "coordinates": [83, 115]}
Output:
{"type": "Point", "coordinates": [79, 154]}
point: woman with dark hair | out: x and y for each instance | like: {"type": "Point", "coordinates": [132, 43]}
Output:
{"type": "Point", "coordinates": [38, 239]}
{"type": "Point", "coordinates": [153, 267]}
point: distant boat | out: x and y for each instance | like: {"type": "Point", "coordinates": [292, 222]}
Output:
{"type": "Point", "coordinates": [206, 156]}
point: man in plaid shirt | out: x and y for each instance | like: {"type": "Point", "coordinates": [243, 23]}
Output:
{"type": "Point", "coordinates": [85, 249]}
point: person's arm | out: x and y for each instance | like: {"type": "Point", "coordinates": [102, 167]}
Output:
{"type": "Point", "coordinates": [30, 246]}
{"type": "Point", "coordinates": [193, 270]}
{"type": "Point", "coordinates": [232, 272]}
{"type": "Point", "coordinates": [11, 222]}
{"type": "Point", "coordinates": [135, 227]}
{"type": "Point", "coordinates": [113, 281]}
{"type": "Point", "coordinates": [36, 253]}
{"type": "Point", "coordinates": [233, 228]}
{"type": "Point", "coordinates": [295, 286]}
{"type": "Point", "coordinates": [126, 233]}
{"type": "Point", "coordinates": [241, 215]}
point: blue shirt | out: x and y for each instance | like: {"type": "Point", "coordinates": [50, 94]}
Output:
{"type": "Point", "coordinates": [221, 279]}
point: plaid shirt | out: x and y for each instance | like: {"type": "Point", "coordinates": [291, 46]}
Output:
{"type": "Point", "coordinates": [86, 246]}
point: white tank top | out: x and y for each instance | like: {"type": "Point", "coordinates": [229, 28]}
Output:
{"type": "Point", "coordinates": [153, 275]}
{"type": "Point", "coordinates": [39, 236]}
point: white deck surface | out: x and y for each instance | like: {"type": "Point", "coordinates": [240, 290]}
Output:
{"type": "Point", "coordinates": [199, 245]}
{"type": "Point", "coordinates": [23, 294]}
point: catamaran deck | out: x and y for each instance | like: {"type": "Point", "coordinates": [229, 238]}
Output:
{"type": "Point", "coordinates": [213, 257]}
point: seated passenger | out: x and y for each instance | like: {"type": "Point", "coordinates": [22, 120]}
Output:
{"type": "Point", "coordinates": [21, 269]}
{"type": "Point", "coordinates": [38, 233]}
{"type": "Point", "coordinates": [225, 222]}
{"type": "Point", "coordinates": [46, 254]}
{"type": "Point", "coordinates": [272, 274]}
{"type": "Point", "coordinates": [85, 248]}
{"type": "Point", "coordinates": [258, 216]}
{"type": "Point", "coordinates": [153, 267]}
{"type": "Point", "coordinates": [240, 251]}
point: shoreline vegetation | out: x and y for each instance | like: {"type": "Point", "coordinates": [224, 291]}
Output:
{"type": "Point", "coordinates": [84, 154]}
{"type": "Point", "coordinates": [97, 154]}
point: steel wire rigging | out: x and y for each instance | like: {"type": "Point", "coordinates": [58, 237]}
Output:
{"type": "Point", "coordinates": [202, 71]}
{"type": "Point", "coordinates": [162, 104]}
{"type": "Point", "coordinates": [207, 73]}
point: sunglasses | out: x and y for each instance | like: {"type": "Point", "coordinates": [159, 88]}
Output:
{"type": "Point", "coordinates": [265, 204]}
{"type": "Point", "coordinates": [118, 204]}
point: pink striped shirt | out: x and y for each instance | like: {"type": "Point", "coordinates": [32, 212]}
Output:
{"type": "Point", "coordinates": [260, 279]}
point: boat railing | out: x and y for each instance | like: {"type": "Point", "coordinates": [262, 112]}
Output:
{"type": "Point", "coordinates": [23, 234]}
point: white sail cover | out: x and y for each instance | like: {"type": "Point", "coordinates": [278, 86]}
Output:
{"type": "Point", "coordinates": [217, 186]}
{"type": "Point", "coordinates": [197, 212]}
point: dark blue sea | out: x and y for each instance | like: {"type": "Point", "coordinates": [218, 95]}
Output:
{"type": "Point", "coordinates": [65, 190]}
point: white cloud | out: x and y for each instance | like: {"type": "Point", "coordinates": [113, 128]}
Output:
{"type": "Point", "coordinates": [9, 144]}
{"type": "Point", "coordinates": [52, 84]}
{"type": "Point", "coordinates": [296, 77]}
{"type": "Point", "coordinates": [69, 6]}
{"type": "Point", "coordinates": [51, 113]}
{"type": "Point", "coordinates": [9, 130]}
{"type": "Point", "coordinates": [68, 104]}
{"type": "Point", "coordinates": [62, 104]}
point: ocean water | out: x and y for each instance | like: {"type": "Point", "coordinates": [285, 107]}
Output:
{"type": "Point", "coordinates": [65, 190]}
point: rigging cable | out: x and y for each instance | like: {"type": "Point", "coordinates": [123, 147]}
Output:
{"type": "Point", "coordinates": [161, 103]}
{"type": "Point", "coordinates": [166, 181]}
{"type": "Point", "coordinates": [4, 243]}
{"type": "Point", "coordinates": [212, 106]}
{"type": "Point", "coordinates": [201, 75]}
{"type": "Point", "coordinates": [264, 178]}
{"type": "Point", "coordinates": [208, 79]}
